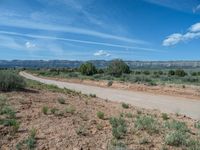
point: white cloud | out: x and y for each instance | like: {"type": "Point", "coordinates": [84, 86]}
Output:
{"type": "Point", "coordinates": [193, 33]}
{"type": "Point", "coordinates": [30, 45]}
{"type": "Point", "coordinates": [102, 53]}
{"type": "Point", "coordinates": [195, 28]}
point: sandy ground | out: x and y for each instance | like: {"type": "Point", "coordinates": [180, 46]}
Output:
{"type": "Point", "coordinates": [169, 104]}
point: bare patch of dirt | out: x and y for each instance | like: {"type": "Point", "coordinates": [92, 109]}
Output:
{"type": "Point", "coordinates": [75, 124]}
{"type": "Point", "coordinates": [187, 91]}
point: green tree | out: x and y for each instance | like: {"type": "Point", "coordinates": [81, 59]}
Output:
{"type": "Point", "coordinates": [118, 67]}
{"type": "Point", "coordinates": [88, 69]}
{"type": "Point", "coordinates": [171, 72]}
{"type": "Point", "coordinates": [180, 73]}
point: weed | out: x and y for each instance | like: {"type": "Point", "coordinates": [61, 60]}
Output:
{"type": "Point", "coordinates": [165, 116]}
{"type": "Point", "coordinates": [45, 110]}
{"type": "Point", "coordinates": [119, 127]}
{"type": "Point", "coordinates": [100, 115]}
{"type": "Point", "coordinates": [61, 100]}
{"type": "Point", "coordinates": [147, 123]}
{"type": "Point", "coordinates": [109, 83]}
{"type": "Point", "coordinates": [124, 105]}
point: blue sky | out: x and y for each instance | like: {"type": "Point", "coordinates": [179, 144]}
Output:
{"type": "Point", "coordinates": [100, 29]}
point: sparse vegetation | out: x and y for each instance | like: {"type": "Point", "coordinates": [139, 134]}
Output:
{"type": "Point", "coordinates": [119, 127]}
{"type": "Point", "coordinates": [11, 81]}
{"type": "Point", "coordinates": [176, 138]}
{"type": "Point", "coordinates": [93, 95]}
{"type": "Point", "coordinates": [45, 110]}
{"type": "Point", "coordinates": [100, 115]}
{"type": "Point", "coordinates": [145, 122]}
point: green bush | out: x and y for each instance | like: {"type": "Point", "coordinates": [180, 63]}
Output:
{"type": "Point", "coordinates": [88, 69]}
{"type": "Point", "coordinates": [119, 127]}
{"type": "Point", "coordinates": [100, 115]}
{"type": "Point", "coordinates": [124, 105]}
{"type": "Point", "coordinates": [117, 68]}
{"type": "Point", "coordinates": [165, 116]}
{"type": "Point", "coordinates": [180, 73]}
{"type": "Point", "coordinates": [177, 125]}
{"type": "Point", "coordinates": [148, 123]}
{"type": "Point", "coordinates": [11, 81]}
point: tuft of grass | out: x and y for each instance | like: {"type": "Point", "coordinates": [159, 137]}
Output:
{"type": "Point", "coordinates": [124, 105]}
{"type": "Point", "coordinates": [100, 115]}
{"type": "Point", "coordinates": [61, 100]}
{"type": "Point", "coordinates": [119, 127]}
{"type": "Point", "coordinates": [148, 123]}
{"type": "Point", "coordinates": [165, 116]}
{"type": "Point", "coordinates": [6, 110]}
{"type": "Point", "coordinates": [99, 126]}
{"type": "Point", "coordinates": [70, 109]}
{"type": "Point", "coordinates": [45, 110]}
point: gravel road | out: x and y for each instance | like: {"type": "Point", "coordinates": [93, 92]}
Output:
{"type": "Point", "coordinates": [169, 104]}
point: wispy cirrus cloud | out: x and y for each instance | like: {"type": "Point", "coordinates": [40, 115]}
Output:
{"type": "Point", "coordinates": [175, 38]}
{"type": "Point", "coordinates": [27, 24]}
{"type": "Point", "coordinates": [102, 53]}
{"type": "Point", "coordinates": [196, 9]}
{"type": "Point", "coordinates": [80, 41]}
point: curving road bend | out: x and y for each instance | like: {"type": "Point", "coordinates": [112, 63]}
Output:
{"type": "Point", "coordinates": [169, 104]}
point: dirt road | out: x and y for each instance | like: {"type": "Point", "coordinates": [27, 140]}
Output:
{"type": "Point", "coordinates": [169, 104]}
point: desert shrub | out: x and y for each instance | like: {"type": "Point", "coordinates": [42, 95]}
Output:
{"type": "Point", "coordinates": [61, 100]}
{"type": "Point", "coordinates": [193, 144]}
{"type": "Point", "coordinates": [197, 125]}
{"type": "Point", "coordinates": [119, 127]}
{"type": "Point", "coordinates": [93, 95]}
{"type": "Point", "coordinates": [11, 81]}
{"type": "Point", "coordinates": [6, 110]}
{"type": "Point", "coordinates": [29, 143]}
{"type": "Point", "coordinates": [180, 73]}
{"type": "Point", "coordinates": [70, 109]}
{"type": "Point", "coordinates": [117, 68]}
{"type": "Point", "coordinates": [176, 125]}
{"type": "Point", "coordinates": [109, 83]}
{"type": "Point", "coordinates": [45, 110]}
{"type": "Point", "coordinates": [100, 115]}
{"type": "Point", "coordinates": [171, 72]}
{"type": "Point", "coordinates": [165, 116]}
{"type": "Point", "coordinates": [148, 123]}
{"type": "Point", "coordinates": [88, 69]}
{"type": "Point", "coordinates": [124, 105]}
{"type": "Point", "coordinates": [146, 72]}
{"type": "Point", "coordinates": [176, 138]}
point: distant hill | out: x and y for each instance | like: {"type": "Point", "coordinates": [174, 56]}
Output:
{"type": "Point", "coordinates": [97, 63]}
